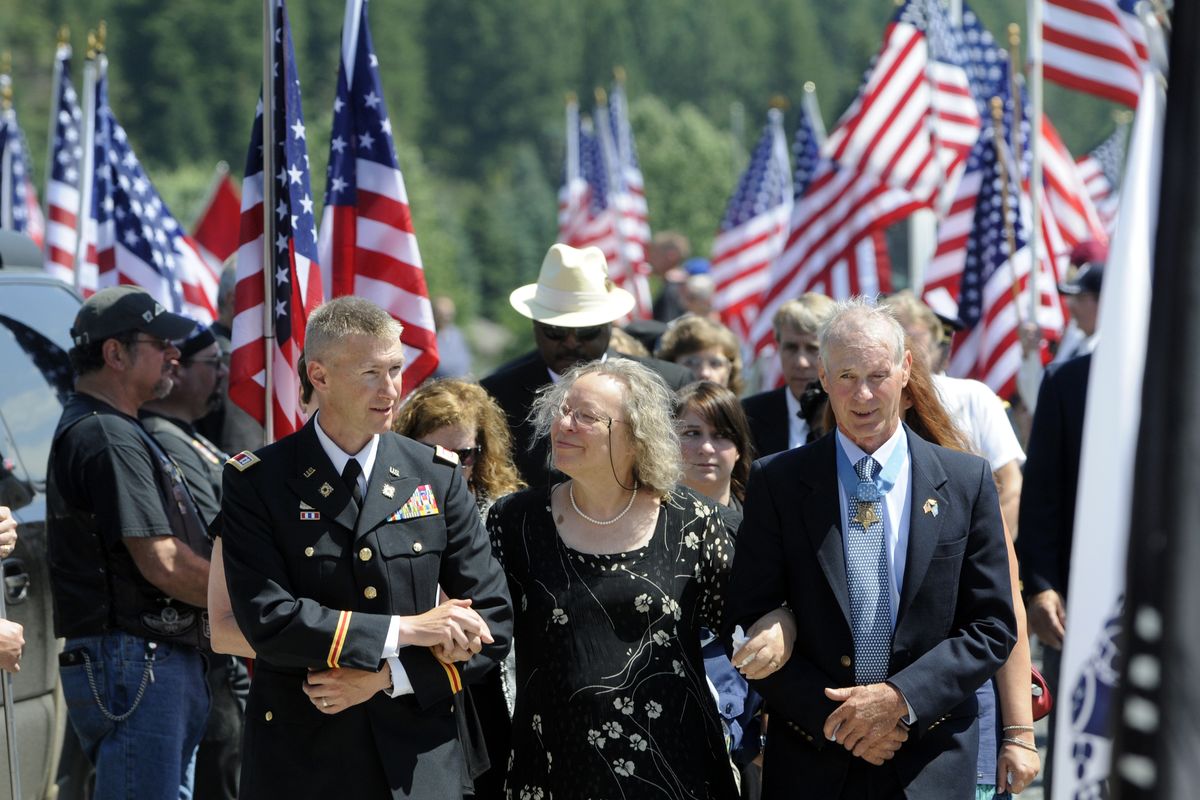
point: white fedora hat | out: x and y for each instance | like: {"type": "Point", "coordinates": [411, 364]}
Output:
{"type": "Point", "coordinates": [573, 290]}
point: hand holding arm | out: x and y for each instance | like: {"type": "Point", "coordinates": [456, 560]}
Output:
{"type": "Point", "coordinates": [768, 646]}
{"type": "Point", "coordinates": [8, 532]}
{"type": "Point", "coordinates": [335, 690]}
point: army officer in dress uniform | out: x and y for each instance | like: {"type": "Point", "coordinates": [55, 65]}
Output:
{"type": "Point", "coordinates": [336, 539]}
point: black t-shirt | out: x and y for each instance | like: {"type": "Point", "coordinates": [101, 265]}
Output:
{"type": "Point", "coordinates": [102, 479]}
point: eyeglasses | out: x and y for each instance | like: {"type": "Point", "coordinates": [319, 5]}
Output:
{"type": "Point", "coordinates": [467, 456]}
{"type": "Point", "coordinates": [700, 362]}
{"type": "Point", "coordinates": [557, 334]}
{"type": "Point", "coordinates": [583, 419]}
{"type": "Point", "coordinates": [162, 345]}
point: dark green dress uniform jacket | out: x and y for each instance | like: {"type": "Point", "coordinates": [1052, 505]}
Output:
{"type": "Point", "coordinates": [314, 586]}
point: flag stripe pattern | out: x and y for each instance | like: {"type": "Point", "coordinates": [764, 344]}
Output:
{"type": "Point", "coordinates": [908, 130]}
{"type": "Point", "coordinates": [23, 202]}
{"type": "Point", "coordinates": [753, 230]}
{"type": "Point", "coordinates": [1100, 172]}
{"type": "Point", "coordinates": [368, 245]}
{"type": "Point", "coordinates": [585, 214]}
{"type": "Point", "coordinates": [1072, 207]}
{"type": "Point", "coordinates": [130, 235]}
{"type": "Point", "coordinates": [629, 200]}
{"type": "Point", "coordinates": [1095, 46]}
{"type": "Point", "coordinates": [295, 275]}
{"type": "Point", "coordinates": [217, 228]}
{"type": "Point", "coordinates": [62, 184]}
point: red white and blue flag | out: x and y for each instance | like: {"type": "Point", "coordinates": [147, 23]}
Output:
{"type": "Point", "coordinates": [905, 136]}
{"type": "Point", "coordinates": [295, 277]}
{"type": "Point", "coordinates": [586, 217]}
{"type": "Point", "coordinates": [1100, 171]}
{"type": "Point", "coordinates": [19, 208]}
{"type": "Point", "coordinates": [1095, 46]}
{"type": "Point", "coordinates": [753, 230]}
{"type": "Point", "coordinates": [62, 184]}
{"type": "Point", "coordinates": [368, 246]}
{"type": "Point", "coordinates": [217, 229]}
{"type": "Point", "coordinates": [130, 236]}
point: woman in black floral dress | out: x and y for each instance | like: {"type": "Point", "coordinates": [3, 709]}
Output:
{"type": "Point", "coordinates": [613, 572]}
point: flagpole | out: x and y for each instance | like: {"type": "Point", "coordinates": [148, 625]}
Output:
{"type": "Point", "coordinates": [268, 207]}
{"type": "Point", "coordinates": [1009, 229]}
{"type": "Point", "coordinates": [813, 109]}
{"type": "Point", "coordinates": [1034, 60]}
{"type": "Point", "coordinates": [87, 163]}
{"type": "Point", "coordinates": [64, 40]}
{"type": "Point", "coordinates": [1018, 151]}
{"type": "Point", "coordinates": [6, 116]}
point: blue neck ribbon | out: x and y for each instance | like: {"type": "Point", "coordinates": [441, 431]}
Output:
{"type": "Point", "coordinates": [885, 479]}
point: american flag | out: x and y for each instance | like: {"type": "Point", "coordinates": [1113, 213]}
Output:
{"type": "Point", "coordinates": [627, 197]}
{"type": "Point", "coordinates": [988, 70]}
{"type": "Point", "coordinates": [295, 289]}
{"type": "Point", "coordinates": [906, 134]}
{"type": "Point", "coordinates": [1095, 46]}
{"type": "Point", "coordinates": [1100, 171]}
{"type": "Point", "coordinates": [585, 215]}
{"type": "Point", "coordinates": [368, 247]}
{"type": "Point", "coordinates": [19, 206]}
{"type": "Point", "coordinates": [217, 228]}
{"type": "Point", "coordinates": [753, 230]}
{"type": "Point", "coordinates": [1066, 195]}
{"type": "Point", "coordinates": [62, 184]}
{"type": "Point", "coordinates": [129, 233]}
{"type": "Point", "coordinates": [993, 292]}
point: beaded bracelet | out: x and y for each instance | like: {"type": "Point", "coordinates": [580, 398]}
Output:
{"type": "Point", "coordinates": [1018, 727]}
{"type": "Point", "coordinates": [1021, 743]}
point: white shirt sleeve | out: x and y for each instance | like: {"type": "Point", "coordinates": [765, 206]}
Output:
{"type": "Point", "coordinates": [391, 649]}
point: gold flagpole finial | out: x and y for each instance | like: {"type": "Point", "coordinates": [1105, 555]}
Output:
{"type": "Point", "coordinates": [1014, 35]}
{"type": "Point", "coordinates": [64, 35]}
{"type": "Point", "coordinates": [572, 98]}
{"type": "Point", "coordinates": [6, 62]}
{"type": "Point", "coordinates": [779, 101]}
{"type": "Point", "coordinates": [601, 96]}
{"type": "Point", "coordinates": [810, 87]}
{"type": "Point", "coordinates": [619, 74]}
{"type": "Point", "coordinates": [91, 45]}
{"type": "Point", "coordinates": [102, 37]}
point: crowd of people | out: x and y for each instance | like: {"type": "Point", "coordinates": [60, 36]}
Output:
{"type": "Point", "coordinates": [595, 573]}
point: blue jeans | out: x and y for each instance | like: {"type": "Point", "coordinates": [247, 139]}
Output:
{"type": "Point", "coordinates": [143, 748]}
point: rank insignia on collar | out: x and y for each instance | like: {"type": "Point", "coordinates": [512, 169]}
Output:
{"type": "Point", "coordinates": [395, 473]}
{"type": "Point", "coordinates": [308, 473]}
{"type": "Point", "coordinates": [243, 461]}
{"type": "Point", "coordinates": [931, 507]}
{"type": "Point", "coordinates": [325, 490]}
{"type": "Point", "coordinates": [389, 491]}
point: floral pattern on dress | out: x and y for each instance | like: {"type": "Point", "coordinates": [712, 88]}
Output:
{"type": "Point", "coordinates": [611, 690]}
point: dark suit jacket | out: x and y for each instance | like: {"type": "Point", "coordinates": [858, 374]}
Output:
{"type": "Point", "coordinates": [314, 593]}
{"type": "Point", "coordinates": [514, 385]}
{"type": "Point", "coordinates": [1047, 520]}
{"type": "Point", "coordinates": [954, 628]}
{"type": "Point", "coordinates": [767, 414]}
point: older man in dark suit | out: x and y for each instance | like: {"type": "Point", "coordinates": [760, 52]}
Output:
{"type": "Point", "coordinates": [573, 306]}
{"type": "Point", "coordinates": [892, 551]}
{"type": "Point", "coordinates": [337, 540]}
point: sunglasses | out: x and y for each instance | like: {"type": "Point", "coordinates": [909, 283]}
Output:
{"type": "Point", "coordinates": [557, 334]}
{"type": "Point", "coordinates": [467, 456]}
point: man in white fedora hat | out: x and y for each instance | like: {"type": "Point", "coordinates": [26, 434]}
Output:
{"type": "Point", "coordinates": [573, 306]}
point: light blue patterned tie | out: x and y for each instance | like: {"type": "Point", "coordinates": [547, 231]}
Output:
{"type": "Point", "coordinates": [867, 574]}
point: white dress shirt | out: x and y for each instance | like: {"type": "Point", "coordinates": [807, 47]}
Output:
{"type": "Point", "coordinates": [798, 428]}
{"type": "Point", "coordinates": [366, 460]}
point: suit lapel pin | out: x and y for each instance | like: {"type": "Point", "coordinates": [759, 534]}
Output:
{"type": "Point", "coordinates": [325, 490]}
{"type": "Point", "coordinates": [395, 473]}
{"type": "Point", "coordinates": [308, 473]}
{"type": "Point", "coordinates": [389, 491]}
{"type": "Point", "coordinates": [931, 507]}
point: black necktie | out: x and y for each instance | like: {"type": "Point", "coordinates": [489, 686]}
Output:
{"type": "Point", "coordinates": [350, 475]}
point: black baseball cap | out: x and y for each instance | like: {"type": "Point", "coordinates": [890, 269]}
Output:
{"type": "Point", "coordinates": [121, 309]}
{"type": "Point", "coordinates": [1086, 281]}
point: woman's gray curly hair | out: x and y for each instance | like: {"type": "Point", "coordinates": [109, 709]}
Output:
{"type": "Point", "coordinates": [646, 411]}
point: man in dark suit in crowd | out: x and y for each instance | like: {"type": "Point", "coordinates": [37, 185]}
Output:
{"type": "Point", "coordinates": [778, 419]}
{"type": "Point", "coordinates": [573, 306]}
{"type": "Point", "coordinates": [1048, 511]}
{"type": "Point", "coordinates": [336, 542]}
{"type": "Point", "coordinates": [894, 550]}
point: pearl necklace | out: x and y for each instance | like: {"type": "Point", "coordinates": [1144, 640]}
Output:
{"type": "Point", "coordinates": [574, 505]}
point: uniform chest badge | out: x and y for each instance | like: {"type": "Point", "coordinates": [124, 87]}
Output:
{"type": "Point", "coordinates": [388, 491]}
{"type": "Point", "coordinates": [310, 516]}
{"type": "Point", "coordinates": [421, 504]}
{"type": "Point", "coordinates": [325, 490]}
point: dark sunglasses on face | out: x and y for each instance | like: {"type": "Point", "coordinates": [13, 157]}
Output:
{"type": "Point", "coordinates": [467, 456]}
{"type": "Point", "coordinates": [557, 334]}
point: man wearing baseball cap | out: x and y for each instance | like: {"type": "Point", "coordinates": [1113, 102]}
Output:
{"type": "Point", "coordinates": [128, 556]}
{"type": "Point", "coordinates": [573, 306]}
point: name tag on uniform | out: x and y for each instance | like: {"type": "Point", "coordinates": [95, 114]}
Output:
{"type": "Point", "coordinates": [421, 504]}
